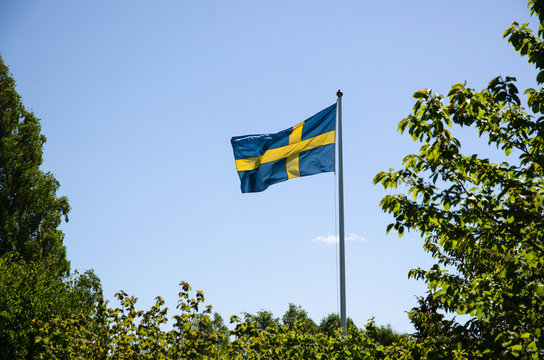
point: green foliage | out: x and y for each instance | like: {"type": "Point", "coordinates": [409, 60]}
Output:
{"type": "Point", "coordinates": [128, 333]}
{"type": "Point", "coordinates": [330, 324]}
{"type": "Point", "coordinates": [262, 320]}
{"type": "Point", "coordinates": [385, 335]}
{"type": "Point", "coordinates": [29, 294]}
{"type": "Point", "coordinates": [35, 282]}
{"type": "Point", "coordinates": [295, 318]}
{"type": "Point", "coordinates": [292, 341]}
{"type": "Point", "coordinates": [30, 211]}
{"type": "Point", "coordinates": [481, 220]}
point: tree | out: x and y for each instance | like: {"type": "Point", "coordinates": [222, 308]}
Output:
{"type": "Point", "coordinates": [30, 296]}
{"type": "Point", "coordinates": [481, 220]}
{"type": "Point", "coordinates": [30, 210]}
{"type": "Point", "coordinates": [35, 279]}
{"type": "Point", "coordinates": [385, 335]}
{"type": "Point", "coordinates": [330, 324]}
{"type": "Point", "coordinates": [297, 318]}
{"type": "Point", "coordinates": [262, 320]}
{"type": "Point", "coordinates": [128, 333]}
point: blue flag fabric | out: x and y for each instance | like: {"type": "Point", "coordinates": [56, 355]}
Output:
{"type": "Point", "coordinates": [304, 149]}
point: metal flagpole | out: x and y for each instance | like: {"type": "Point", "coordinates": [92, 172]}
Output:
{"type": "Point", "coordinates": [343, 319]}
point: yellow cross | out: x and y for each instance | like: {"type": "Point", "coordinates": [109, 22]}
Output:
{"type": "Point", "coordinates": [290, 152]}
{"type": "Point", "coordinates": [293, 168]}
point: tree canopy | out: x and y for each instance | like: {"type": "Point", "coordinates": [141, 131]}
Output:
{"type": "Point", "coordinates": [30, 210]}
{"type": "Point", "coordinates": [482, 220]}
{"type": "Point", "coordinates": [35, 280]}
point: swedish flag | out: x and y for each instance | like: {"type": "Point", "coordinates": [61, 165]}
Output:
{"type": "Point", "coordinates": [305, 149]}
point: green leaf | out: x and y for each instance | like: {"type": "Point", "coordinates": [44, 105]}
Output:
{"type": "Point", "coordinates": [421, 94]}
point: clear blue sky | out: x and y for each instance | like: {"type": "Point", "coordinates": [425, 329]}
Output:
{"type": "Point", "coordinates": [139, 100]}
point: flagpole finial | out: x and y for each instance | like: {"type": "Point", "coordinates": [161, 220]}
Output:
{"type": "Point", "coordinates": [339, 93]}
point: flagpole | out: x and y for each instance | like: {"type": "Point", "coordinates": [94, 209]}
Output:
{"type": "Point", "coordinates": [343, 318]}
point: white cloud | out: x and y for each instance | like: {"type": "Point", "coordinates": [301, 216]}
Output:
{"type": "Point", "coordinates": [333, 239]}
{"type": "Point", "coordinates": [356, 238]}
{"type": "Point", "coordinates": [329, 239]}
